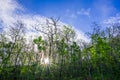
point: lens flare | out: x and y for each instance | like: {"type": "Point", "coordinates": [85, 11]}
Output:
{"type": "Point", "coordinates": [46, 61]}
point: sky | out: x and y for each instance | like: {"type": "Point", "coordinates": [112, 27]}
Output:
{"type": "Point", "coordinates": [78, 13]}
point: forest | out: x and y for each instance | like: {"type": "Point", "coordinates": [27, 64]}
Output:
{"type": "Point", "coordinates": [56, 55]}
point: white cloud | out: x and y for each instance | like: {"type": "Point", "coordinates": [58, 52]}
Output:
{"type": "Point", "coordinates": [112, 20]}
{"type": "Point", "coordinates": [80, 36]}
{"type": "Point", "coordinates": [70, 14]}
{"type": "Point", "coordinates": [81, 12]}
{"type": "Point", "coordinates": [85, 12]}
{"type": "Point", "coordinates": [8, 10]}
{"type": "Point", "coordinates": [11, 11]}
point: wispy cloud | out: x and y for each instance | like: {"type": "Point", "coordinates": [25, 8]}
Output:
{"type": "Point", "coordinates": [75, 14]}
{"type": "Point", "coordinates": [70, 14]}
{"type": "Point", "coordinates": [85, 12]}
{"type": "Point", "coordinates": [112, 20]}
{"type": "Point", "coordinates": [11, 11]}
{"type": "Point", "coordinates": [8, 10]}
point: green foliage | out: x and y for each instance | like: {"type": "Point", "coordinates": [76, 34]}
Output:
{"type": "Point", "coordinates": [40, 43]}
{"type": "Point", "coordinates": [97, 60]}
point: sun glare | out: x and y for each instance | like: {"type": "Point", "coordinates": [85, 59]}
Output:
{"type": "Point", "coordinates": [46, 61]}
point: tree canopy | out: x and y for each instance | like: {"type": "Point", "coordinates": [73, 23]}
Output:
{"type": "Point", "coordinates": [59, 56]}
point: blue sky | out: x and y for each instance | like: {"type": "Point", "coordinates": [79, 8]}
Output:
{"type": "Point", "coordinates": [78, 13]}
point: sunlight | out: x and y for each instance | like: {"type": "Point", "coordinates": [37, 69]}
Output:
{"type": "Point", "coordinates": [46, 61]}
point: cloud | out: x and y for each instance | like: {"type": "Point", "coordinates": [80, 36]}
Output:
{"type": "Point", "coordinates": [85, 12]}
{"type": "Point", "coordinates": [11, 11]}
{"type": "Point", "coordinates": [8, 11]}
{"type": "Point", "coordinates": [112, 20]}
{"type": "Point", "coordinates": [81, 12]}
{"type": "Point", "coordinates": [70, 14]}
